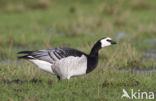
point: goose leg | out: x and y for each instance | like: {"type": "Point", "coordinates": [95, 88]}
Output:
{"type": "Point", "coordinates": [58, 77]}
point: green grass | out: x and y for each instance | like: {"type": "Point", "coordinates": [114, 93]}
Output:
{"type": "Point", "coordinates": [98, 85]}
{"type": "Point", "coordinates": [33, 25]}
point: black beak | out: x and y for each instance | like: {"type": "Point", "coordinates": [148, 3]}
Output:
{"type": "Point", "coordinates": [112, 42]}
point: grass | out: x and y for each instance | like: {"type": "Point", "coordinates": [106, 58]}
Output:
{"type": "Point", "coordinates": [33, 25]}
{"type": "Point", "coordinates": [34, 84]}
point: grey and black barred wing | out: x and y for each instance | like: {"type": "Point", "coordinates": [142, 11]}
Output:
{"type": "Point", "coordinates": [39, 54]}
{"type": "Point", "coordinates": [65, 52]}
{"type": "Point", "coordinates": [51, 55]}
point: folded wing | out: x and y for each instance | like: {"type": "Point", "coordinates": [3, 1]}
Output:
{"type": "Point", "coordinates": [51, 55]}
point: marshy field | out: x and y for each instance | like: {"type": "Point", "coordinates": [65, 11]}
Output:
{"type": "Point", "coordinates": [46, 24]}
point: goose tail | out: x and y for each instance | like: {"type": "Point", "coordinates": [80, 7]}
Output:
{"type": "Point", "coordinates": [26, 55]}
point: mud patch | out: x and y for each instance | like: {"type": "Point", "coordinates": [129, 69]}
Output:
{"type": "Point", "coordinates": [134, 83]}
{"type": "Point", "coordinates": [50, 82]}
{"type": "Point", "coordinates": [18, 81]}
{"type": "Point", "coordinates": [35, 81]}
{"type": "Point", "coordinates": [138, 70]}
{"type": "Point", "coordinates": [20, 90]}
{"type": "Point", "coordinates": [32, 81]}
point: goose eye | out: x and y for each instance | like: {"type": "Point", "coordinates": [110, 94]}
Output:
{"type": "Point", "coordinates": [109, 40]}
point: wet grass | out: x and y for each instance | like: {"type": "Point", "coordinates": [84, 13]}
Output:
{"type": "Point", "coordinates": [33, 25]}
{"type": "Point", "coordinates": [25, 82]}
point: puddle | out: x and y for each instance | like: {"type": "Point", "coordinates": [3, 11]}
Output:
{"type": "Point", "coordinates": [145, 70]}
{"type": "Point", "coordinates": [9, 61]}
{"type": "Point", "coordinates": [120, 35]}
{"type": "Point", "coordinates": [138, 70]}
{"type": "Point", "coordinates": [5, 61]}
{"type": "Point", "coordinates": [19, 47]}
{"type": "Point", "coordinates": [151, 54]}
{"type": "Point", "coordinates": [150, 41]}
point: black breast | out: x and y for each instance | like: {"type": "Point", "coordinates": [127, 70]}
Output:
{"type": "Point", "coordinates": [91, 63]}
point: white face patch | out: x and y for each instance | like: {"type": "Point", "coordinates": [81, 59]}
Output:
{"type": "Point", "coordinates": [104, 42]}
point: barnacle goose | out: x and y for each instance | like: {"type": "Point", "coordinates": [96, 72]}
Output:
{"type": "Point", "coordinates": [66, 62]}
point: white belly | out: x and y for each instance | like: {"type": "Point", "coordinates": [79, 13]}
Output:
{"type": "Point", "coordinates": [46, 66]}
{"type": "Point", "coordinates": [70, 66]}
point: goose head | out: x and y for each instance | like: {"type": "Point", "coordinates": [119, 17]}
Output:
{"type": "Point", "coordinates": [103, 42]}
{"type": "Point", "coordinates": [93, 56]}
{"type": "Point", "coordinates": [106, 41]}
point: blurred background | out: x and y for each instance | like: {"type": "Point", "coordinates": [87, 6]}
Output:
{"type": "Point", "coordinates": [45, 24]}
{"type": "Point", "coordinates": [40, 24]}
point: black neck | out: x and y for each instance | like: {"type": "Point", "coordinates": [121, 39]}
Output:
{"type": "Point", "coordinates": [95, 50]}
{"type": "Point", "coordinates": [93, 57]}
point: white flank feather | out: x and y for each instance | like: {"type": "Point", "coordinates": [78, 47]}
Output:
{"type": "Point", "coordinates": [70, 66]}
{"type": "Point", "coordinates": [46, 66]}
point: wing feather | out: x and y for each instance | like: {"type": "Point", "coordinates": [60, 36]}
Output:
{"type": "Point", "coordinates": [52, 55]}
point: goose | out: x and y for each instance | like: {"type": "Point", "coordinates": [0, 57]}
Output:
{"type": "Point", "coordinates": [66, 62]}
